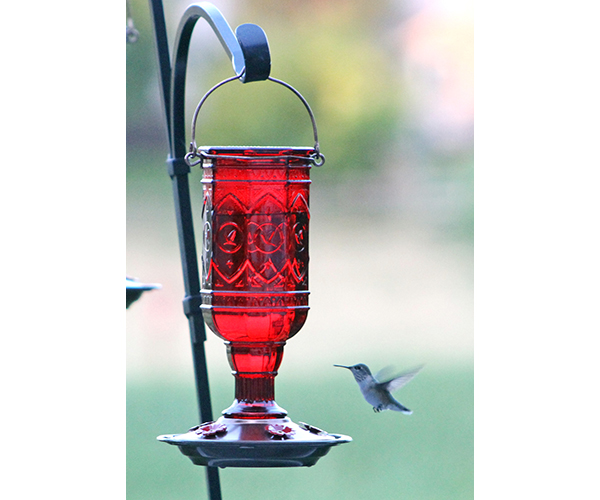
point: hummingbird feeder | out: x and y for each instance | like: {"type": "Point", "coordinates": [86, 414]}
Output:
{"type": "Point", "coordinates": [253, 292]}
{"type": "Point", "coordinates": [136, 288]}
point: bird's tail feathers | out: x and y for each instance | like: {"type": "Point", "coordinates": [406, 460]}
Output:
{"type": "Point", "coordinates": [402, 409]}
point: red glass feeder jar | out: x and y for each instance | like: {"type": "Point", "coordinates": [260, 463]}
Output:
{"type": "Point", "coordinates": [254, 294]}
{"type": "Point", "coordinates": [255, 263]}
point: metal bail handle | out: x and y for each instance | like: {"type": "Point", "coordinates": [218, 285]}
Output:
{"type": "Point", "coordinates": [195, 157]}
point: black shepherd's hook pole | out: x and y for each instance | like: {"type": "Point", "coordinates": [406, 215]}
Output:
{"type": "Point", "coordinates": [249, 52]}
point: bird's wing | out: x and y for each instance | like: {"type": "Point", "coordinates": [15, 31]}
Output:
{"type": "Point", "coordinates": [400, 380]}
{"type": "Point", "coordinates": [386, 373]}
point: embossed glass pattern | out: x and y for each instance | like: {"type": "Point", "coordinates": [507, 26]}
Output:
{"type": "Point", "coordinates": [255, 263]}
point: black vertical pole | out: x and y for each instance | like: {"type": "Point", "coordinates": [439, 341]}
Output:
{"type": "Point", "coordinates": [248, 50]}
{"type": "Point", "coordinates": [178, 170]}
{"type": "Point", "coordinates": [164, 60]}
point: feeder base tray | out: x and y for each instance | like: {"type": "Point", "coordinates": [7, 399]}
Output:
{"type": "Point", "coordinates": [230, 442]}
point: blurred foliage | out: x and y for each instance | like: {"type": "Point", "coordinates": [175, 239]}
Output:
{"type": "Point", "coordinates": [141, 81]}
{"type": "Point", "coordinates": [334, 53]}
{"type": "Point", "coordinates": [345, 57]}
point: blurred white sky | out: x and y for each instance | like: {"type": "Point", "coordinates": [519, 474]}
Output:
{"type": "Point", "coordinates": [438, 63]}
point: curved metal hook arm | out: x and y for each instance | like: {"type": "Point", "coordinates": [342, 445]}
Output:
{"type": "Point", "coordinates": [248, 50]}
{"type": "Point", "coordinates": [219, 25]}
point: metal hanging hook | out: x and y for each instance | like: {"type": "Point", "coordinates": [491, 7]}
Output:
{"type": "Point", "coordinates": [196, 156]}
{"type": "Point", "coordinates": [247, 49]}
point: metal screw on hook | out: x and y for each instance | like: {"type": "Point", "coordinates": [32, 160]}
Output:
{"type": "Point", "coordinates": [132, 33]}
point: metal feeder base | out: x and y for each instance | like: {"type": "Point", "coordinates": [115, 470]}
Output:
{"type": "Point", "coordinates": [230, 442]}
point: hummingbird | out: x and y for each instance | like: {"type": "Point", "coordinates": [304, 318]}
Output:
{"type": "Point", "coordinates": [378, 393]}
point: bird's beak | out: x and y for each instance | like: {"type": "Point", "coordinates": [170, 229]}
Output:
{"type": "Point", "coordinates": [342, 366]}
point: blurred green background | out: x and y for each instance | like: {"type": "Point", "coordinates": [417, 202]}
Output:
{"type": "Point", "coordinates": [391, 277]}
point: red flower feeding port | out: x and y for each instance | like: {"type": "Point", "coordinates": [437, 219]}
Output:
{"type": "Point", "coordinates": [253, 292]}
